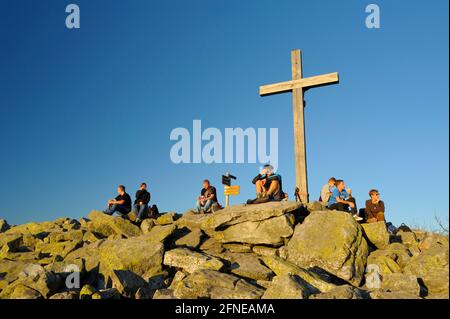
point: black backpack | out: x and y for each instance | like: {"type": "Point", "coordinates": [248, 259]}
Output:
{"type": "Point", "coordinates": [153, 211]}
{"type": "Point", "coordinates": [404, 228]}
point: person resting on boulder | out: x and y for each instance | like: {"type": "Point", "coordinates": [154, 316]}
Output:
{"type": "Point", "coordinates": [121, 204]}
{"type": "Point", "coordinates": [140, 207]}
{"type": "Point", "coordinates": [350, 198]}
{"type": "Point", "coordinates": [374, 207]}
{"type": "Point", "coordinates": [341, 200]}
{"type": "Point", "coordinates": [326, 191]}
{"type": "Point", "coordinates": [207, 198]}
{"type": "Point", "coordinates": [268, 186]}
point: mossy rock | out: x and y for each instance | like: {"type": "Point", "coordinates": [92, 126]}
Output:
{"type": "Point", "coordinates": [332, 241]}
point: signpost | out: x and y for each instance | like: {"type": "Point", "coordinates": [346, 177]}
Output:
{"type": "Point", "coordinates": [228, 189]}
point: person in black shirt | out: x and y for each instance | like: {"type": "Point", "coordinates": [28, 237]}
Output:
{"type": "Point", "coordinates": [140, 207]}
{"type": "Point", "coordinates": [268, 186]}
{"type": "Point", "coordinates": [207, 198]}
{"type": "Point", "coordinates": [121, 204]}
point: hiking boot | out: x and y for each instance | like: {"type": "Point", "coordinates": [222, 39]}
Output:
{"type": "Point", "coordinates": [357, 218]}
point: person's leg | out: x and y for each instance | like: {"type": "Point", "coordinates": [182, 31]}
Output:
{"type": "Point", "coordinates": [199, 206]}
{"type": "Point", "coordinates": [122, 210]}
{"type": "Point", "coordinates": [353, 210]}
{"type": "Point", "coordinates": [274, 188]}
{"type": "Point", "coordinates": [259, 185]}
{"type": "Point", "coordinates": [347, 208]}
{"type": "Point", "coordinates": [111, 209]}
{"type": "Point", "coordinates": [338, 206]}
{"type": "Point", "coordinates": [208, 205]}
{"type": "Point", "coordinates": [333, 207]}
{"type": "Point", "coordinates": [135, 209]}
{"type": "Point", "coordinates": [142, 211]}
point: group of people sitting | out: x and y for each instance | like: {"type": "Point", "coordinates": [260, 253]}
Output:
{"type": "Point", "coordinates": [268, 186]}
{"type": "Point", "coordinates": [121, 204]}
{"type": "Point", "coordinates": [336, 196]}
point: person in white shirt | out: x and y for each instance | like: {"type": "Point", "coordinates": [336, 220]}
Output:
{"type": "Point", "coordinates": [326, 191]}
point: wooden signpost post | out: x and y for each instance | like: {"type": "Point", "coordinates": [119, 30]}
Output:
{"type": "Point", "coordinates": [298, 85]}
{"type": "Point", "coordinates": [228, 189]}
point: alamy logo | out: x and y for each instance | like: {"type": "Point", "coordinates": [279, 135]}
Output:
{"type": "Point", "coordinates": [373, 278]}
{"type": "Point", "coordinates": [73, 19]}
{"type": "Point", "coordinates": [373, 19]}
{"type": "Point", "coordinates": [228, 149]}
{"type": "Point", "coordinates": [73, 278]}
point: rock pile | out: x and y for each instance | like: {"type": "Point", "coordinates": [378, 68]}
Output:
{"type": "Point", "coordinates": [271, 250]}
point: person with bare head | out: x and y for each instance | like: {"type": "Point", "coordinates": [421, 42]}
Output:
{"type": "Point", "coordinates": [121, 204]}
{"type": "Point", "coordinates": [374, 207]}
{"type": "Point", "coordinates": [140, 207]}
{"type": "Point", "coordinates": [342, 200]}
{"type": "Point", "coordinates": [207, 198]}
{"type": "Point", "coordinates": [327, 189]}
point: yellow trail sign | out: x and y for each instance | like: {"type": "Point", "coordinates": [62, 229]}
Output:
{"type": "Point", "coordinates": [231, 190]}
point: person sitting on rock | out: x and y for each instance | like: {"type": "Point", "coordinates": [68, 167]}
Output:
{"type": "Point", "coordinates": [350, 198]}
{"type": "Point", "coordinates": [342, 201]}
{"type": "Point", "coordinates": [207, 198]}
{"type": "Point", "coordinates": [374, 207]}
{"type": "Point", "coordinates": [327, 189]}
{"type": "Point", "coordinates": [268, 186]}
{"type": "Point", "coordinates": [121, 204]}
{"type": "Point", "coordinates": [140, 207]}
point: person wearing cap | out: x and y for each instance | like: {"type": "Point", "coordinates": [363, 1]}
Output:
{"type": "Point", "coordinates": [374, 207]}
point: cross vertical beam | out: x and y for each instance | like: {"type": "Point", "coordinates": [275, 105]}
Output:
{"type": "Point", "coordinates": [301, 177]}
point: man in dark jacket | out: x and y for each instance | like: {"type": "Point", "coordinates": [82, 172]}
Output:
{"type": "Point", "coordinates": [140, 207]}
{"type": "Point", "coordinates": [268, 186]}
{"type": "Point", "coordinates": [121, 204]}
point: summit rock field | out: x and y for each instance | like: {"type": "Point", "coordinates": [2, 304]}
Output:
{"type": "Point", "coordinates": [273, 250]}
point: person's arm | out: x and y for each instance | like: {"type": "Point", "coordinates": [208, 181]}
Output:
{"type": "Point", "coordinates": [382, 206]}
{"type": "Point", "coordinates": [120, 202]}
{"type": "Point", "coordinates": [274, 185]}
{"type": "Point", "coordinates": [147, 198]}
{"type": "Point", "coordinates": [202, 195]}
{"type": "Point", "coordinates": [257, 178]}
{"type": "Point", "coordinates": [212, 195]}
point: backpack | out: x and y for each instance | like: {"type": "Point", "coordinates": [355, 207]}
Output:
{"type": "Point", "coordinates": [153, 211]}
{"type": "Point", "coordinates": [404, 228]}
{"type": "Point", "coordinates": [391, 228]}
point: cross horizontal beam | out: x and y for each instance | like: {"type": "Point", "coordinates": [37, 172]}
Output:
{"type": "Point", "coordinates": [313, 81]}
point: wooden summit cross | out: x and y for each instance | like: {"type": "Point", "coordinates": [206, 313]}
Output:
{"type": "Point", "coordinates": [298, 85]}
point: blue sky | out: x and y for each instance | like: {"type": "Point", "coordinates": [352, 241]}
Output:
{"type": "Point", "coordinates": [84, 110]}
